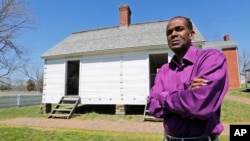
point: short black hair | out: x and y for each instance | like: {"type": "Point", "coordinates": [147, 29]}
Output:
{"type": "Point", "coordinates": [188, 21]}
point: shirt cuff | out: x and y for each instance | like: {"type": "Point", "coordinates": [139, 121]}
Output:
{"type": "Point", "coordinates": [155, 108]}
{"type": "Point", "coordinates": [162, 97]}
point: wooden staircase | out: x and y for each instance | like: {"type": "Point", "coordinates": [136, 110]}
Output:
{"type": "Point", "coordinates": [65, 108]}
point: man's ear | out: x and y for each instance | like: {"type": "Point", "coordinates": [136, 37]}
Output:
{"type": "Point", "coordinates": [192, 34]}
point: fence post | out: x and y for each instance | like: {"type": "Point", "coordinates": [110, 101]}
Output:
{"type": "Point", "coordinates": [19, 100]}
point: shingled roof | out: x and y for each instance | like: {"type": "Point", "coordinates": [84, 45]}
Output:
{"type": "Point", "coordinates": [149, 35]}
{"type": "Point", "coordinates": [220, 45]}
{"type": "Point", "coordinates": [141, 35]}
{"type": "Point", "coordinates": [247, 68]}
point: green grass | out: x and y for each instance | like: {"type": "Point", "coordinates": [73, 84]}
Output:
{"type": "Point", "coordinates": [9, 133]}
{"type": "Point", "coordinates": [224, 138]}
{"type": "Point", "coordinates": [22, 133]}
{"type": "Point", "coordinates": [239, 92]}
{"type": "Point", "coordinates": [34, 112]}
{"type": "Point", "coordinates": [15, 112]}
{"type": "Point", "coordinates": [96, 116]}
{"type": "Point", "coordinates": [12, 133]}
{"type": "Point", "coordinates": [232, 112]}
{"type": "Point", "coordinates": [235, 112]}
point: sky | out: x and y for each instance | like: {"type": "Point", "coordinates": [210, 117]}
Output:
{"type": "Point", "coordinates": [54, 20]}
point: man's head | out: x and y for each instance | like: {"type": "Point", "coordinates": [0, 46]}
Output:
{"type": "Point", "coordinates": [180, 33]}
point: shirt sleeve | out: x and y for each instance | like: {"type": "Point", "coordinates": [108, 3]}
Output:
{"type": "Point", "coordinates": [154, 106]}
{"type": "Point", "coordinates": [201, 102]}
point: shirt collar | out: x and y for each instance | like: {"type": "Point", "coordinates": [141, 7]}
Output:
{"type": "Point", "coordinates": [189, 57]}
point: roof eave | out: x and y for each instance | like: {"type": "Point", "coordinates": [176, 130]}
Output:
{"type": "Point", "coordinates": [115, 50]}
{"type": "Point", "coordinates": [106, 51]}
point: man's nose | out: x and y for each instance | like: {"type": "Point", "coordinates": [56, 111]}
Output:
{"type": "Point", "coordinates": [174, 34]}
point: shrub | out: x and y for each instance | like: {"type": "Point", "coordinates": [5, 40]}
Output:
{"type": "Point", "coordinates": [30, 85]}
{"type": "Point", "coordinates": [5, 87]}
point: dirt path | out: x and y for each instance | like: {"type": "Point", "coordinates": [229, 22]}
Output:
{"type": "Point", "coordinates": [238, 99]}
{"type": "Point", "coordinates": [145, 127]}
{"type": "Point", "coordinates": [151, 127]}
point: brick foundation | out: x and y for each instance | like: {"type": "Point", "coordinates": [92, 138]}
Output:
{"type": "Point", "coordinates": [120, 109]}
{"type": "Point", "coordinates": [45, 108]}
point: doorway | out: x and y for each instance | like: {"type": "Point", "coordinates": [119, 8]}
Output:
{"type": "Point", "coordinates": [72, 82]}
{"type": "Point", "coordinates": [155, 63]}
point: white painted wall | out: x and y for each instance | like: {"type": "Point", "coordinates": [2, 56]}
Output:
{"type": "Point", "coordinates": [135, 78]}
{"type": "Point", "coordinates": [54, 81]}
{"type": "Point", "coordinates": [120, 78]}
{"type": "Point", "coordinates": [100, 79]}
{"type": "Point", "coordinates": [114, 79]}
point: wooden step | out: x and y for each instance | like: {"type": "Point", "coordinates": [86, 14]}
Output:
{"type": "Point", "coordinates": [70, 98]}
{"type": "Point", "coordinates": [58, 115]}
{"type": "Point", "coordinates": [62, 110]}
{"type": "Point", "coordinates": [67, 104]}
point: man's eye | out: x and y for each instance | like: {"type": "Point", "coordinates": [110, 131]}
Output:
{"type": "Point", "coordinates": [179, 28]}
{"type": "Point", "coordinates": [169, 32]}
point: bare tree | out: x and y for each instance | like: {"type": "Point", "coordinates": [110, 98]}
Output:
{"type": "Point", "coordinates": [13, 18]}
{"type": "Point", "coordinates": [34, 73]}
{"type": "Point", "coordinates": [244, 57]}
{"type": "Point", "coordinates": [18, 85]}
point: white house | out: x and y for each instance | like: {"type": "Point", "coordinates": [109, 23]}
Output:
{"type": "Point", "coordinates": [114, 65]}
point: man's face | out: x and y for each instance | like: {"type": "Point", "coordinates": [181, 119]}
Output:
{"type": "Point", "coordinates": [178, 35]}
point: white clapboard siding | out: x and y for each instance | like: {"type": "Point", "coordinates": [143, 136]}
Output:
{"type": "Point", "coordinates": [121, 78]}
{"type": "Point", "coordinates": [135, 78]}
{"type": "Point", "coordinates": [54, 81]}
{"type": "Point", "coordinates": [114, 79]}
{"type": "Point", "coordinates": [99, 79]}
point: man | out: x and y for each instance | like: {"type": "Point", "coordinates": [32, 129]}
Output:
{"type": "Point", "coordinates": [188, 92]}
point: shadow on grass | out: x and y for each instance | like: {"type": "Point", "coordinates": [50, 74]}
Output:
{"type": "Point", "coordinates": [110, 109]}
{"type": "Point", "coordinates": [246, 90]}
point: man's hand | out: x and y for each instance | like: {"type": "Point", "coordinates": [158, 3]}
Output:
{"type": "Point", "coordinates": [197, 82]}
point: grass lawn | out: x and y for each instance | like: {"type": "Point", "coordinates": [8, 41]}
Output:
{"type": "Point", "coordinates": [10, 133]}
{"type": "Point", "coordinates": [224, 138]}
{"type": "Point", "coordinates": [239, 92]}
{"type": "Point", "coordinates": [15, 112]}
{"type": "Point", "coordinates": [232, 113]}
{"type": "Point", "coordinates": [235, 112]}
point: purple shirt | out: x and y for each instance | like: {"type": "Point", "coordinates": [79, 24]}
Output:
{"type": "Point", "coordinates": [190, 112]}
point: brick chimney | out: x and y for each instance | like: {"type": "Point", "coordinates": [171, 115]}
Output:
{"type": "Point", "coordinates": [231, 54]}
{"type": "Point", "coordinates": [125, 14]}
{"type": "Point", "coordinates": [227, 37]}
